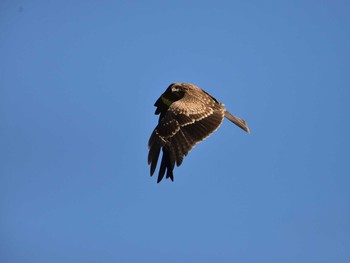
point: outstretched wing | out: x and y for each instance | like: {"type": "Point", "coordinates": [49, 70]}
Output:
{"type": "Point", "coordinates": [187, 122]}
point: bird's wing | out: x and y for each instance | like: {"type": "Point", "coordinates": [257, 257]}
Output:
{"type": "Point", "coordinates": [187, 122]}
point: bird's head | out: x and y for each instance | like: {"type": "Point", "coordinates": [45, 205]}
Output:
{"type": "Point", "coordinates": [177, 89]}
{"type": "Point", "coordinates": [174, 92]}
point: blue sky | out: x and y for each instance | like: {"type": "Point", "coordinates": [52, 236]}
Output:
{"type": "Point", "coordinates": [78, 83]}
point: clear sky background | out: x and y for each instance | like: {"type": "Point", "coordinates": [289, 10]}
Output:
{"type": "Point", "coordinates": [78, 82]}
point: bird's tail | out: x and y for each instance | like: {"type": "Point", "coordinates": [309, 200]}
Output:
{"type": "Point", "coordinates": [239, 122]}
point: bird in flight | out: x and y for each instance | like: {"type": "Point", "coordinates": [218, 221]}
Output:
{"type": "Point", "coordinates": [188, 115]}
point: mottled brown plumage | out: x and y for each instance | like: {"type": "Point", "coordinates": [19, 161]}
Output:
{"type": "Point", "coordinates": [188, 115]}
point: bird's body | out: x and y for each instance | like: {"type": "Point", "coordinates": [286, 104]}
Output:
{"type": "Point", "coordinates": [188, 115]}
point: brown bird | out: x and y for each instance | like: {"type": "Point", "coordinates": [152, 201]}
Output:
{"type": "Point", "coordinates": [188, 115]}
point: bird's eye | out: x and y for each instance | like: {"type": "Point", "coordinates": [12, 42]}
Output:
{"type": "Point", "coordinates": [174, 89]}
